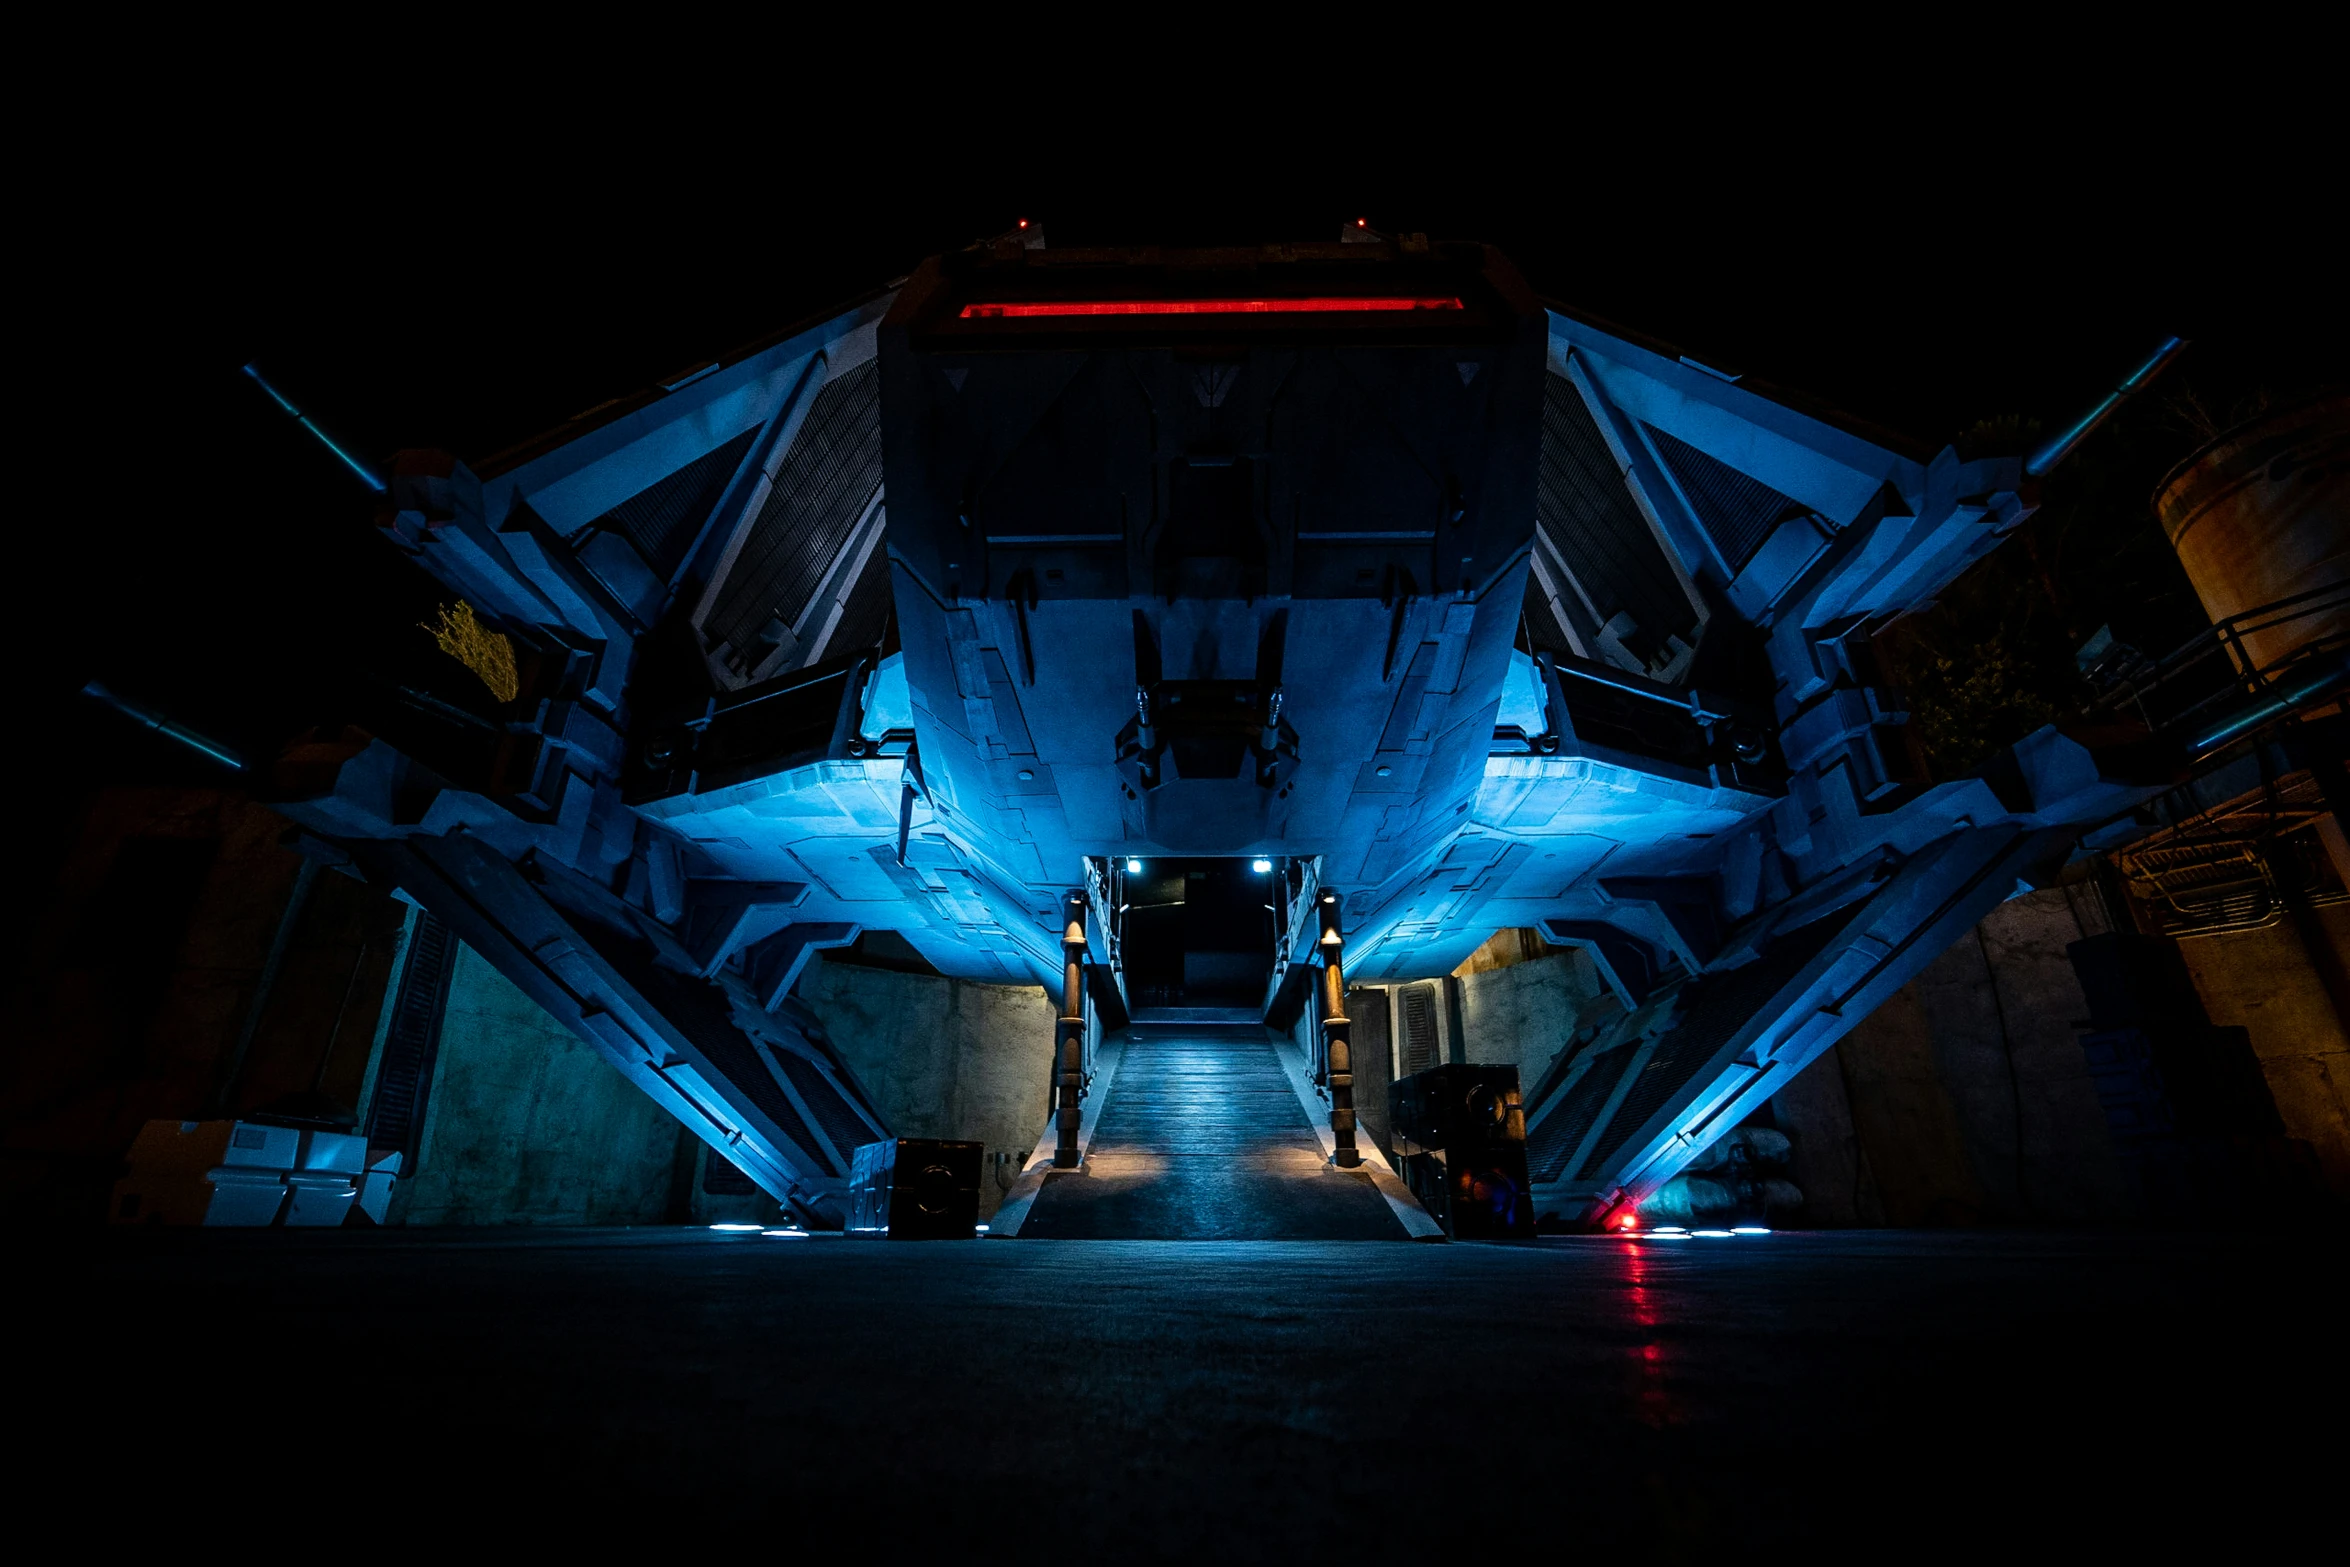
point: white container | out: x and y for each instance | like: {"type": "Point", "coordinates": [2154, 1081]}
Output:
{"type": "Point", "coordinates": [254, 1146]}
{"type": "Point", "coordinates": [243, 1199]}
{"type": "Point", "coordinates": [319, 1200]}
{"type": "Point", "coordinates": [375, 1187]}
{"type": "Point", "coordinates": [337, 1153]}
{"type": "Point", "coordinates": [206, 1173]}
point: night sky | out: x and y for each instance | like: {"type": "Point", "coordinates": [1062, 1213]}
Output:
{"type": "Point", "coordinates": [468, 294]}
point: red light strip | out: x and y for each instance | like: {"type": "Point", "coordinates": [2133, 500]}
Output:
{"type": "Point", "coordinates": [1319, 304]}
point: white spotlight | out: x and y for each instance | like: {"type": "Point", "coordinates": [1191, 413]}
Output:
{"type": "Point", "coordinates": [1134, 867]}
{"type": "Point", "coordinates": [1260, 866]}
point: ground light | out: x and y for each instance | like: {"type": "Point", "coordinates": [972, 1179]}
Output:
{"type": "Point", "coordinates": [738, 1229]}
{"type": "Point", "coordinates": [785, 1235]}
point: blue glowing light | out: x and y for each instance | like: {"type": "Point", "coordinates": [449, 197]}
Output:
{"type": "Point", "coordinates": [1748, 1229]}
{"type": "Point", "coordinates": [1711, 1235]}
{"type": "Point", "coordinates": [1260, 866]}
{"type": "Point", "coordinates": [1134, 867]}
{"type": "Point", "coordinates": [367, 475]}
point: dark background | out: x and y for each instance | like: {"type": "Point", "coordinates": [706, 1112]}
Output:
{"type": "Point", "coordinates": [414, 276]}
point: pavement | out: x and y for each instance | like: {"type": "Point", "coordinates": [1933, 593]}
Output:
{"type": "Point", "coordinates": [1899, 1394]}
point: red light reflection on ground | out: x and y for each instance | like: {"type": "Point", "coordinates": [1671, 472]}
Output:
{"type": "Point", "coordinates": [1654, 1404]}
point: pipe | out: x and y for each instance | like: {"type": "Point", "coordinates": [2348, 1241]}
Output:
{"type": "Point", "coordinates": [148, 718]}
{"type": "Point", "coordinates": [367, 476]}
{"type": "Point", "coordinates": [2060, 446]}
{"type": "Point", "coordinates": [2325, 677]}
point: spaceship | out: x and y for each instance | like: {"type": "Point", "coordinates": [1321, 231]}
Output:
{"type": "Point", "coordinates": [1451, 608]}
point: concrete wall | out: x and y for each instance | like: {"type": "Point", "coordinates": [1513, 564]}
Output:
{"type": "Point", "coordinates": [125, 998]}
{"type": "Point", "coordinates": [943, 1058]}
{"type": "Point", "coordinates": [2263, 981]}
{"type": "Point", "coordinates": [1964, 1099]}
{"type": "Point", "coordinates": [1524, 1014]}
{"type": "Point", "coordinates": [526, 1124]}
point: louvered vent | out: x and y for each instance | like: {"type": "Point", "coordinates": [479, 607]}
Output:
{"type": "Point", "coordinates": [822, 488]}
{"type": "Point", "coordinates": [1716, 1007]}
{"type": "Point", "coordinates": [841, 1124]}
{"type": "Point", "coordinates": [395, 1116]}
{"type": "Point", "coordinates": [1739, 512]}
{"type": "Point", "coordinates": [1589, 518]}
{"type": "Point", "coordinates": [1554, 1138]}
{"type": "Point", "coordinates": [1420, 1046]}
{"type": "Point", "coordinates": [663, 520]}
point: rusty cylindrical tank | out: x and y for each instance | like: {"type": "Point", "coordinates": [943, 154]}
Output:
{"type": "Point", "coordinates": [2263, 513]}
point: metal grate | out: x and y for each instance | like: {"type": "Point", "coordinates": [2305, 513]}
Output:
{"type": "Point", "coordinates": [1419, 1028]}
{"type": "Point", "coordinates": [663, 520]}
{"type": "Point", "coordinates": [395, 1116]}
{"type": "Point", "coordinates": [842, 1124]}
{"type": "Point", "coordinates": [701, 1012]}
{"type": "Point", "coordinates": [1714, 1007]}
{"type": "Point", "coordinates": [1555, 1137]}
{"type": "Point", "coordinates": [1590, 520]}
{"type": "Point", "coordinates": [1738, 511]}
{"type": "Point", "coordinates": [821, 489]}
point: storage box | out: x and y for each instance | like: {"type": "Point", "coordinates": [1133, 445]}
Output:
{"type": "Point", "coordinates": [915, 1188]}
{"type": "Point", "coordinates": [206, 1173]}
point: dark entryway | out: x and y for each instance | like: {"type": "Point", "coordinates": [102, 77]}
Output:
{"type": "Point", "coordinates": [1199, 933]}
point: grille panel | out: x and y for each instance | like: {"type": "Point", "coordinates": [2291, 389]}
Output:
{"type": "Point", "coordinates": [1419, 1028]}
{"type": "Point", "coordinates": [820, 491]}
{"type": "Point", "coordinates": [395, 1115]}
{"type": "Point", "coordinates": [1716, 1007]}
{"type": "Point", "coordinates": [1739, 512]}
{"type": "Point", "coordinates": [664, 519]}
{"type": "Point", "coordinates": [843, 1125]}
{"type": "Point", "coordinates": [1553, 1141]}
{"type": "Point", "coordinates": [1588, 517]}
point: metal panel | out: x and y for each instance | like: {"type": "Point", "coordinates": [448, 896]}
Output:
{"type": "Point", "coordinates": [1419, 1046]}
{"type": "Point", "coordinates": [1711, 1012]}
{"type": "Point", "coordinates": [822, 488]}
{"type": "Point", "coordinates": [864, 619]}
{"type": "Point", "coordinates": [840, 1122]}
{"type": "Point", "coordinates": [1738, 512]}
{"type": "Point", "coordinates": [663, 520]}
{"type": "Point", "coordinates": [1555, 1137]}
{"type": "Point", "coordinates": [395, 1114]}
{"type": "Point", "coordinates": [1590, 520]}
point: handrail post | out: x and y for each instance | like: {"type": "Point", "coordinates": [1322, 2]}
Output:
{"type": "Point", "coordinates": [1335, 1029]}
{"type": "Point", "coordinates": [1069, 1073]}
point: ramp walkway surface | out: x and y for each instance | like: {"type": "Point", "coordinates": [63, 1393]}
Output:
{"type": "Point", "coordinates": [1202, 1138]}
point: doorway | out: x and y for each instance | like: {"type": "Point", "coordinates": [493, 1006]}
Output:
{"type": "Point", "coordinates": [1199, 932]}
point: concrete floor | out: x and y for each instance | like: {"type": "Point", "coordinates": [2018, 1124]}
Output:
{"type": "Point", "coordinates": [1898, 1394]}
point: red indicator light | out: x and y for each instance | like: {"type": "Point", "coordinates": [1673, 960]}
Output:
{"type": "Point", "coordinates": [1362, 223]}
{"type": "Point", "coordinates": [1024, 223]}
{"type": "Point", "coordinates": [1628, 1221]}
{"type": "Point", "coordinates": [1314, 305]}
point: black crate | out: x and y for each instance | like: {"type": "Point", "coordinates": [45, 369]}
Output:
{"type": "Point", "coordinates": [915, 1188]}
{"type": "Point", "coordinates": [1462, 1133]}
